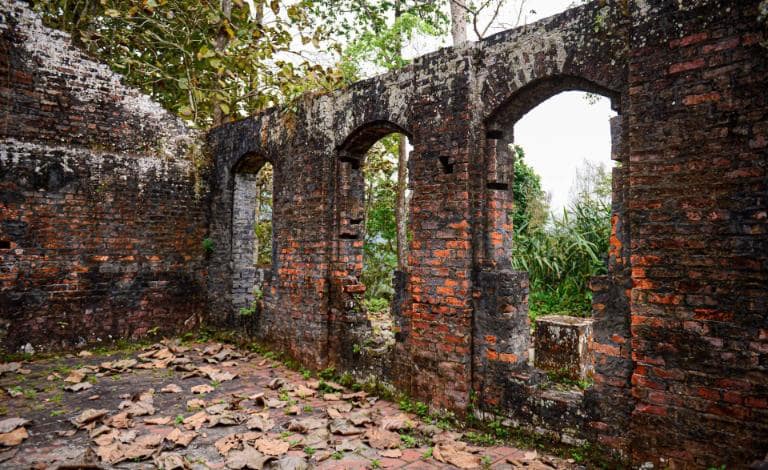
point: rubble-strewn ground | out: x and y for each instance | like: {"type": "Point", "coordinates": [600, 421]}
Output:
{"type": "Point", "coordinates": [208, 405]}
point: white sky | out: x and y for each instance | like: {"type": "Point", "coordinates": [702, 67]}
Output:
{"type": "Point", "coordinates": [559, 134]}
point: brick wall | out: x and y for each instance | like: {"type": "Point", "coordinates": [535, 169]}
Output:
{"type": "Point", "coordinates": [697, 209]}
{"type": "Point", "coordinates": [679, 340]}
{"type": "Point", "coordinates": [104, 215]}
{"type": "Point", "coordinates": [102, 212]}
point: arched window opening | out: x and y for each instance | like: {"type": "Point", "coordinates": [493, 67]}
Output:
{"type": "Point", "coordinates": [562, 200]}
{"type": "Point", "coordinates": [252, 246]}
{"type": "Point", "coordinates": [373, 212]}
{"type": "Point", "coordinates": [381, 258]}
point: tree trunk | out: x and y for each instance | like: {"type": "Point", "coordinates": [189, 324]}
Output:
{"type": "Point", "coordinates": [458, 22]}
{"type": "Point", "coordinates": [221, 42]}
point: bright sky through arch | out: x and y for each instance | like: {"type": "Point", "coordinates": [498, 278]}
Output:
{"type": "Point", "coordinates": [559, 134]}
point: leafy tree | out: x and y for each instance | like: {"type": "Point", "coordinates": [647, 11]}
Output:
{"type": "Point", "coordinates": [380, 246]}
{"type": "Point", "coordinates": [530, 210]}
{"type": "Point", "coordinates": [208, 60]}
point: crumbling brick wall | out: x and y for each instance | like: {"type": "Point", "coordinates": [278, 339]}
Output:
{"type": "Point", "coordinates": [102, 210]}
{"type": "Point", "coordinates": [104, 215]}
{"type": "Point", "coordinates": [680, 335]}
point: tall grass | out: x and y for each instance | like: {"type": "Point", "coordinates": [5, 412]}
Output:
{"type": "Point", "coordinates": [562, 254]}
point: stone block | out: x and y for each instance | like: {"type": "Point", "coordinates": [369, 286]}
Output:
{"type": "Point", "coordinates": [561, 345]}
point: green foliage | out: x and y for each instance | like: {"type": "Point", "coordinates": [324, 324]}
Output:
{"type": "Point", "coordinates": [408, 441]}
{"type": "Point", "coordinates": [562, 254]}
{"type": "Point", "coordinates": [380, 247]}
{"type": "Point", "coordinates": [416, 407]}
{"type": "Point", "coordinates": [249, 311]}
{"type": "Point", "coordinates": [262, 226]}
{"type": "Point", "coordinates": [208, 246]}
{"type": "Point", "coordinates": [530, 200]}
{"type": "Point", "coordinates": [327, 374]}
{"type": "Point", "coordinates": [376, 304]}
{"type": "Point", "coordinates": [197, 59]}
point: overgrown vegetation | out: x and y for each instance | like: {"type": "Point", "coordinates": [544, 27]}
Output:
{"type": "Point", "coordinates": [262, 225]}
{"type": "Point", "coordinates": [380, 247]}
{"type": "Point", "coordinates": [561, 252]}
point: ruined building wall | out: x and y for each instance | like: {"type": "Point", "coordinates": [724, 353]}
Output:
{"type": "Point", "coordinates": [680, 320]}
{"type": "Point", "coordinates": [697, 205]}
{"type": "Point", "coordinates": [102, 213]}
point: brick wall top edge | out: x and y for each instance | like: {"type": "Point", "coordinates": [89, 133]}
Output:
{"type": "Point", "coordinates": [332, 117]}
{"type": "Point", "coordinates": [49, 52]}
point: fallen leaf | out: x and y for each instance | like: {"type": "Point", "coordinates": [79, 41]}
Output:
{"type": "Point", "coordinates": [88, 416]}
{"type": "Point", "coordinates": [247, 458]}
{"type": "Point", "coordinates": [260, 422]}
{"type": "Point", "coordinates": [201, 389]}
{"type": "Point", "coordinates": [85, 353]}
{"type": "Point", "coordinates": [291, 462]}
{"type": "Point", "coordinates": [181, 438]}
{"type": "Point", "coordinates": [227, 443]}
{"type": "Point", "coordinates": [379, 438]}
{"type": "Point", "coordinates": [195, 403]}
{"type": "Point", "coordinates": [68, 433]}
{"type": "Point", "coordinates": [94, 397]}
{"type": "Point", "coordinates": [341, 426]}
{"type": "Point", "coordinates": [357, 396]}
{"type": "Point", "coordinates": [359, 418]}
{"type": "Point", "coordinates": [212, 349]}
{"type": "Point", "coordinates": [120, 421]}
{"type": "Point", "coordinates": [303, 392]}
{"type": "Point", "coordinates": [454, 454]}
{"type": "Point", "coordinates": [196, 421]}
{"type": "Point", "coordinates": [119, 366]}
{"type": "Point", "coordinates": [305, 425]}
{"type": "Point", "coordinates": [274, 447]}
{"type": "Point", "coordinates": [9, 367]}
{"type": "Point", "coordinates": [276, 383]}
{"type": "Point", "coordinates": [74, 377]}
{"type": "Point", "coordinates": [96, 432]}
{"type": "Point", "coordinates": [78, 387]}
{"type": "Point", "coordinates": [110, 453]}
{"type": "Point", "coordinates": [13, 438]}
{"type": "Point", "coordinates": [126, 436]}
{"type": "Point", "coordinates": [9, 424]}
{"type": "Point", "coordinates": [227, 418]}
{"type": "Point", "coordinates": [275, 403]}
{"type": "Point", "coordinates": [349, 445]}
{"type": "Point", "coordinates": [171, 461]}
{"type": "Point", "coordinates": [160, 420]}
{"type": "Point", "coordinates": [106, 439]}
{"type": "Point", "coordinates": [171, 388]}
{"type": "Point", "coordinates": [396, 422]}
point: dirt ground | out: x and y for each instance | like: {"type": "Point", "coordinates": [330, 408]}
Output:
{"type": "Point", "coordinates": [209, 405]}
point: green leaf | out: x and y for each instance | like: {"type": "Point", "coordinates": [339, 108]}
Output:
{"type": "Point", "coordinates": [224, 108]}
{"type": "Point", "coordinates": [204, 53]}
{"type": "Point", "coordinates": [186, 111]}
